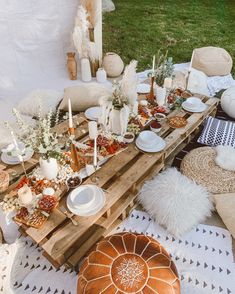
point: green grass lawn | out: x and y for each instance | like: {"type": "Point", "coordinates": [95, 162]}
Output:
{"type": "Point", "coordinates": [138, 28]}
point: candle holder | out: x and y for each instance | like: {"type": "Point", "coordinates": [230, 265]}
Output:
{"type": "Point", "coordinates": [151, 96]}
{"type": "Point", "coordinates": [75, 158]}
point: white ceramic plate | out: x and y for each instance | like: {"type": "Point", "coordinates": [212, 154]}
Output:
{"type": "Point", "coordinates": [143, 88]}
{"type": "Point", "coordinates": [201, 108]}
{"type": "Point", "coordinates": [93, 113]}
{"type": "Point", "coordinates": [153, 149]}
{"type": "Point", "coordinates": [12, 161]}
{"type": "Point", "coordinates": [96, 206]}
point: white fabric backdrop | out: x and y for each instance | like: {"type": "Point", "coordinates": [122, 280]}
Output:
{"type": "Point", "coordinates": [35, 36]}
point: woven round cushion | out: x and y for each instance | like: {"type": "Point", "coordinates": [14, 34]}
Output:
{"type": "Point", "coordinates": [128, 263]}
{"type": "Point", "coordinates": [199, 165]}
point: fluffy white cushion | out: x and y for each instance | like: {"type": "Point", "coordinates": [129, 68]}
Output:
{"type": "Point", "coordinates": [197, 82]}
{"type": "Point", "coordinates": [48, 99]}
{"type": "Point", "coordinates": [225, 157]}
{"type": "Point", "coordinates": [213, 61]}
{"type": "Point", "coordinates": [175, 202]}
{"type": "Point", "coordinates": [228, 101]}
{"type": "Point", "coordinates": [84, 96]}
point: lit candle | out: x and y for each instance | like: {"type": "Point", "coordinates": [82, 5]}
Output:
{"type": "Point", "coordinates": [93, 133]}
{"type": "Point", "coordinates": [70, 114]}
{"type": "Point", "coordinates": [154, 58]}
{"type": "Point", "coordinates": [167, 83]}
{"type": "Point", "coordinates": [25, 195]}
{"type": "Point", "coordinates": [191, 62]}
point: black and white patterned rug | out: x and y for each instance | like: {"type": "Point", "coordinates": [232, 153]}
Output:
{"type": "Point", "coordinates": [203, 258]}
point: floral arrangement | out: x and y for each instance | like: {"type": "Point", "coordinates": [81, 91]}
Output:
{"type": "Point", "coordinates": [40, 137]}
{"type": "Point", "coordinates": [116, 109]}
{"type": "Point", "coordinates": [164, 68]}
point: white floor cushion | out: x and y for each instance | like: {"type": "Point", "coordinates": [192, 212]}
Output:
{"type": "Point", "coordinates": [48, 99]}
{"type": "Point", "coordinates": [175, 202]}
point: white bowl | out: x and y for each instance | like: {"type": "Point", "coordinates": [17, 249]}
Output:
{"type": "Point", "coordinates": [193, 102]}
{"type": "Point", "coordinates": [155, 130]}
{"type": "Point", "coordinates": [146, 138]}
{"type": "Point", "coordinates": [129, 140]}
{"type": "Point", "coordinates": [82, 197]}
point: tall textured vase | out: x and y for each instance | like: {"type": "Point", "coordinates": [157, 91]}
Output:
{"type": "Point", "coordinates": [160, 95]}
{"type": "Point", "coordinates": [48, 168]}
{"type": "Point", "coordinates": [72, 65]}
{"type": "Point", "coordinates": [118, 120]}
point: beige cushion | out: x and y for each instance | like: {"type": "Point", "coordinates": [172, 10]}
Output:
{"type": "Point", "coordinates": [213, 61]}
{"type": "Point", "coordinates": [225, 205]}
{"type": "Point", "coordinates": [84, 96]}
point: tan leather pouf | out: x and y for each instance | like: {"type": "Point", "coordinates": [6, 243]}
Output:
{"type": "Point", "coordinates": [128, 263]}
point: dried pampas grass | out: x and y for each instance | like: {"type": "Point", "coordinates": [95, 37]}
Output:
{"type": "Point", "coordinates": [80, 33]}
{"type": "Point", "coordinates": [129, 82]}
{"type": "Point", "coordinates": [93, 12]}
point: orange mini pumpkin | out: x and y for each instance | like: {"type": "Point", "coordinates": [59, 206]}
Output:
{"type": "Point", "coordinates": [128, 263]}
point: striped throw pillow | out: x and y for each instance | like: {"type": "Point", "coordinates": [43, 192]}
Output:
{"type": "Point", "coordinates": [217, 132]}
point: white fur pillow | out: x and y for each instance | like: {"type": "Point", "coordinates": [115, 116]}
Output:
{"type": "Point", "coordinates": [197, 82]}
{"type": "Point", "coordinates": [49, 99]}
{"type": "Point", "coordinates": [225, 157]}
{"type": "Point", "coordinates": [175, 202]}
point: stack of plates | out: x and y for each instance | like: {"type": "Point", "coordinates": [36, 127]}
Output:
{"type": "Point", "coordinates": [148, 141]}
{"type": "Point", "coordinates": [86, 200]}
{"type": "Point", "coordinates": [13, 160]}
{"type": "Point", "coordinates": [93, 113]}
{"type": "Point", "coordinates": [194, 104]}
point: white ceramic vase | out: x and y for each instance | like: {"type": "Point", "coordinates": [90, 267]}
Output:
{"type": "Point", "coordinates": [101, 75]}
{"type": "Point", "coordinates": [118, 120]}
{"type": "Point", "coordinates": [115, 122]}
{"type": "Point", "coordinates": [85, 70]}
{"type": "Point", "coordinates": [161, 95]}
{"type": "Point", "coordinates": [113, 64]}
{"type": "Point", "coordinates": [48, 168]}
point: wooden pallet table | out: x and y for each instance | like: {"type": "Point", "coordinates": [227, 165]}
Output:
{"type": "Point", "coordinates": [121, 178]}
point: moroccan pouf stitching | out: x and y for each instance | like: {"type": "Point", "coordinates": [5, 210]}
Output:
{"type": "Point", "coordinates": [128, 263]}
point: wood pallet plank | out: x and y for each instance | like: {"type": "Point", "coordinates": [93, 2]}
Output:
{"type": "Point", "coordinates": [57, 245]}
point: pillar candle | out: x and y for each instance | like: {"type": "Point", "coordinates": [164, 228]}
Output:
{"type": "Point", "coordinates": [167, 83]}
{"type": "Point", "coordinates": [191, 62]}
{"type": "Point", "coordinates": [93, 133]}
{"type": "Point", "coordinates": [154, 57]}
{"type": "Point", "coordinates": [70, 114]}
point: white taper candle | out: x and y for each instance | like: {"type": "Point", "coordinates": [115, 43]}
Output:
{"type": "Point", "coordinates": [70, 114]}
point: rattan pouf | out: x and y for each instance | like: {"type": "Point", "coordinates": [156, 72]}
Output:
{"type": "Point", "coordinates": [199, 165]}
{"type": "Point", "coordinates": [128, 263]}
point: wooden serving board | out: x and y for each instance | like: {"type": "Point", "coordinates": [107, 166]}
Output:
{"type": "Point", "coordinates": [121, 178]}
